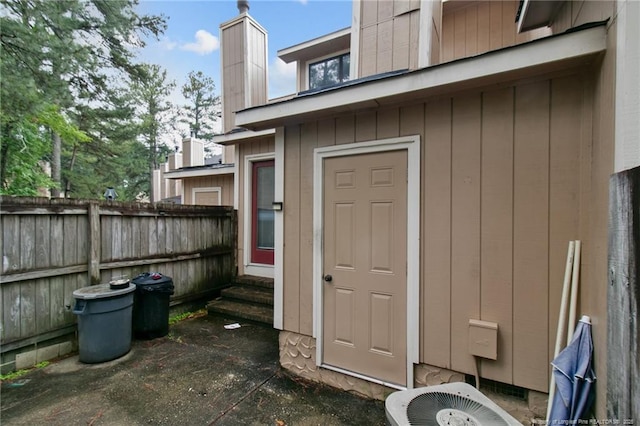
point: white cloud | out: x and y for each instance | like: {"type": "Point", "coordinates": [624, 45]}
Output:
{"type": "Point", "coordinates": [205, 43]}
{"type": "Point", "coordinates": [304, 2]}
{"type": "Point", "coordinates": [282, 78]}
{"type": "Point", "coordinates": [165, 43]}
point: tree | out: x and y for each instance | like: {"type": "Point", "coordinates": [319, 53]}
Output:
{"type": "Point", "coordinates": [204, 109]}
{"type": "Point", "coordinates": [60, 54]}
{"type": "Point", "coordinates": [154, 111]}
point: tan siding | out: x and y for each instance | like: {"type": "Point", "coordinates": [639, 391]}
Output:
{"type": "Point", "coordinates": [309, 133]}
{"type": "Point", "coordinates": [225, 182]}
{"type": "Point", "coordinates": [502, 189]}
{"type": "Point", "coordinates": [481, 26]}
{"type": "Point", "coordinates": [465, 226]}
{"type": "Point", "coordinates": [401, 40]}
{"type": "Point", "coordinates": [292, 211]}
{"type": "Point", "coordinates": [436, 235]}
{"type": "Point", "coordinates": [345, 129]}
{"type": "Point", "coordinates": [257, 66]}
{"type": "Point", "coordinates": [232, 72]}
{"type": "Point", "coordinates": [389, 36]}
{"type": "Point", "coordinates": [564, 185]}
{"type": "Point", "coordinates": [596, 167]}
{"type": "Point", "coordinates": [496, 298]}
{"type": "Point", "coordinates": [531, 235]}
{"type": "Point", "coordinates": [366, 126]}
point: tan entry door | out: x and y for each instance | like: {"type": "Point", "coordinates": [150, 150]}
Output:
{"type": "Point", "coordinates": [365, 265]}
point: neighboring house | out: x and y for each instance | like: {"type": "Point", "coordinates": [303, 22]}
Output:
{"type": "Point", "coordinates": [431, 170]}
{"type": "Point", "coordinates": [190, 178]}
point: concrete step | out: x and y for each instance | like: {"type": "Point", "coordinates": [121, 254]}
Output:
{"type": "Point", "coordinates": [237, 310]}
{"type": "Point", "coordinates": [249, 294]}
{"type": "Point", "coordinates": [250, 280]}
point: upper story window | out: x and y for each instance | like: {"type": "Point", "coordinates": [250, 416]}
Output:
{"type": "Point", "coordinates": [329, 72]}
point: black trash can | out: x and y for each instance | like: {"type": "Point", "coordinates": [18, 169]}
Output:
{"type": "Point", "coordinates": [151, 305]}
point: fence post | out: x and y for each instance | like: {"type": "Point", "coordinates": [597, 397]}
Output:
{"type": "Point", "coordinates": [94, 243]}
{"type": "Point", "coordinates": [623, 299]}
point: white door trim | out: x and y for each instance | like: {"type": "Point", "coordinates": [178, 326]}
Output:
{"type": "Point", "coordinates": [250, 268]}
{"type": "Point", "coordinates": [278, 271]}
{"type": "Point", "coordinates": [412, 145]}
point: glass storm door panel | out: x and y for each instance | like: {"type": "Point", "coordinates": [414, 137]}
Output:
{"type": "Point", "coordinates": [262, 214]}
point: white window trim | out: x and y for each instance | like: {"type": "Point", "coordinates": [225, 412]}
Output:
{"type": "Point", "coordinates": [322, 58]}
{"type": "Point", "coordinates": [412, 145]}
{"type": "Point", "coordinates": [257, 269]}
{"type": "Point", "coordinates": [217, 189]}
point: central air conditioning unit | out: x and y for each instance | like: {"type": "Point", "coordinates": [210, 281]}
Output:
{"type": "Point", "coordinates": [451, 404]}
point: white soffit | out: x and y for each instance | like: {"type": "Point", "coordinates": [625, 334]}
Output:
{"type": "Point", "coordinates": [537, 14]}
{"type": "Point", "coordinates": [321, 46]}
{"type": "Point", "coordinates": [241, 136]}
{"type": "Point", "coordinates": [525, 60]}
{"type": "Point", "coordinates": [181, 174]}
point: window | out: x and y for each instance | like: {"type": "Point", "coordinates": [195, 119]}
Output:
{"type": "Point", "coordinates": [329, 72]}
{"type": "Point", "coordinates": [262, 215]}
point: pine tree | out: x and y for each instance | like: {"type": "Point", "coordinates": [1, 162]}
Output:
{"type": "Point", "coordinates": [203, 112]}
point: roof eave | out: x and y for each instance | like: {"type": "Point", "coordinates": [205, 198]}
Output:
{"type": "Point", "coordinates": [522, 61]}
{"type": "Point", "coordinates": [184, 174]}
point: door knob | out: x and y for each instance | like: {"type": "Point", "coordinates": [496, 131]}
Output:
{"type": "Point", "coordinates": [328, 278]}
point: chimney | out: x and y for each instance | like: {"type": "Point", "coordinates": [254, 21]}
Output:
{"type": "Point", "coordinates": [243, 61]}
{"type": "Point", "coordinates": [243, 6]}
{"type": "Point", "coordinates": [192, 152]}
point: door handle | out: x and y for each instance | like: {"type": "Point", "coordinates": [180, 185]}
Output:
{"type": "Point", "coordinates": [328, 278]}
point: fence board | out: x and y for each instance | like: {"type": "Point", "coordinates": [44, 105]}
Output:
{"type": "Point", "coordinates": [43, 242]}
{"type": "Point", "coordinates": [54, 247]}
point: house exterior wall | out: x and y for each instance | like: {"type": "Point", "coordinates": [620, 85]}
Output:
{"type": "Point", "coordinates": [258, 146]}
{"type": "Point", "coordinates": [593, 290]}
{"type": "Point", "coordinates": [474, 27]}
{"type": "Point", "coordinates": [244, 76]}
{"type": "Point", "coordinates": [389, 32]}
{"type": "Point", "coordinates": [224, 182]}
{"type": "Point", "coordinates": [504, 186]}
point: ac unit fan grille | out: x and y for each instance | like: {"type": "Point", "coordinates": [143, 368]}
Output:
{"type": "Point", "coordinates": [441, 408]}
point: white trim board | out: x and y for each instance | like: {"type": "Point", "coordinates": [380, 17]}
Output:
{"type": "Point", "coordinates": [521, 61]}
{"type": "Point", "coordinates": [249, 267]}
{"type": "Point", "coordinates": [278, 263]}
{"type": "Point", "coordinates": [217, 189]}
{"type": "Point", "coordinates": [412, 145]}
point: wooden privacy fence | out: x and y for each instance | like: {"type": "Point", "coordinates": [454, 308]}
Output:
{"type": "Point", "coordinates": [52, 247]}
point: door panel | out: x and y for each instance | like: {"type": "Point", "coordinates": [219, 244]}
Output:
{"type": "Point", "coordinates": [262, 214]}
{"type": "Point", "coordinates": [365, 252]}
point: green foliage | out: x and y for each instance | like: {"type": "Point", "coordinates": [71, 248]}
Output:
{"type": "Point", "coordinates": [18, 373]}
{"type": "Point", "coordinates": [59, 61]}
{"type": "Point", "coordinates": [204, 108]}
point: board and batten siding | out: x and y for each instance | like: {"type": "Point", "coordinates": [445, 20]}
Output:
{"type": "Point", "coordinates": [594, 220]}
{"type": "Point", "coordinates": [224, 182]}
{"type": "Point", "coordinates": [503, 191]}
{"type": "Point", "coordinates": [389, 32]}
{"type": "Point", "coordinates": [260, 146]}
{"type": "Point", "coordinates": [473, 27]}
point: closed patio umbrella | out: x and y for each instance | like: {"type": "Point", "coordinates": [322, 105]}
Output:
{"type": "Point", "coordinates": [574, 375]}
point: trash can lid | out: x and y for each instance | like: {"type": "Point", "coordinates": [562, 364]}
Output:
{"type": "Point", "coordinates": [152, 278]}
{"type": "Point", "coordinates": [100, 291]}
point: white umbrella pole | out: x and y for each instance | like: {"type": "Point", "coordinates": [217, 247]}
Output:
{"type": "Point", "coordinates": [574, 293]}
{"type": "Point", "coordinates": [561, 320]}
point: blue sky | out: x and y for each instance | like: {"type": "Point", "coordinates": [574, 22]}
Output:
{"type": "Point", "coordinates": [191, 41]}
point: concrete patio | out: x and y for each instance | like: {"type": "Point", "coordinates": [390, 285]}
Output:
{"type": "Point", "coordinates": [200, 374]}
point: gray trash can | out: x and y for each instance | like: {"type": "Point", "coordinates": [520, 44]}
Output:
{"type": "Point", "coordinates": [104, 321]}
